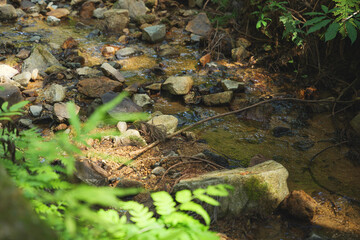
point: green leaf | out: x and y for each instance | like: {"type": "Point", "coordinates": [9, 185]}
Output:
{"type": "Point", "coordinates": [351, 30]}
{"type": "Point", "coordinates": [314, 13]}
{"type": "Point", "coordinates": [318, 26]}
{"type": "Point", "coordinates": [208, 200]}
{"type": "Point", "coordinates": [5, 106]}
{"type": "Point", "coordinates": [197, 208]}
{"type": "Point", "coordinates": [332, 31]}
{"type": "Point", "coordinates": [218, 190]}
{"type": "Point", "coordinates": [258, 25]}
{"type": "Point", "coordinates": [183, 196]}
{"type": "Point", "coordinates": [164, 203]}
{"type": "Point", "coordinates": [314, 20]}
{"type": "Point", "coordinates": [18, 106]}
{"type": "Point", "coordinates": [325, 8]}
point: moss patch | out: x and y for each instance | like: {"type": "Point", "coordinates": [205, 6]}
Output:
{"type": "Point", "coordinates": [255, 189]}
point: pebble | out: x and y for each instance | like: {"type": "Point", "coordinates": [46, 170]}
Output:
{"type": "Point", "coordinates": [36, 110]}
{"type": "Point", "coordinates": [158, 171]}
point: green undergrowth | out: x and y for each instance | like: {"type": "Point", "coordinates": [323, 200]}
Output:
{"type": "Point", "coordinates": [40, 168]}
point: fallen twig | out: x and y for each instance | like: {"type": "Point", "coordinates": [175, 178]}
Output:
{"type": "Point", "coordinates": [137, 153]}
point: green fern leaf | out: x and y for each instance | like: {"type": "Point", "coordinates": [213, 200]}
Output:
{"type": "Point", "coordinates": [218, 190]}
{"type": "Point", "coordinates": [197, 208]}
{"type": "Point", "coordinates": [325, 8]}
{"type": "Point", "coordinates": [351, 31]}
{"type": "Point", "coordinates": [18, 106]}
{"type": "Point", "coordinates": [318, 26]}
{"type": "Point", "coordinates": [208, 200]}
{"type": "Point", "coordinates": [183, 196]}
{"type": "Point", "coordinates": [331, 32]}
{"type": "Point", "coordinates": [164, 203]}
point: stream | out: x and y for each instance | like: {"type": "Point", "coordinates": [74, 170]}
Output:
{"type": "Point", "coordinates": [289, 133]}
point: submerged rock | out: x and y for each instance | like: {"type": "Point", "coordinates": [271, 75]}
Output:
{"type": "Point", "coordinates": [200, 25]}
{"type": "Point", "coordinates": [178, 85]}
{"type": "Point", "coordinates": [257, 190]}
{"type": "Point", "coordinates": [218, 98]}
{"type": "Point", "coordinates": [229, 85]}
{"type": "Point", "coordinates": [303, 145]}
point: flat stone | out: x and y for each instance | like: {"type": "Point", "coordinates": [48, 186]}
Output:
{"type": "Point", "coordinates": [59, 13]}
{"type": "Point", "coordinates": [40, 59]}
{"type": "Point", "coordinates": [7, 13]}
{"type": "Point", "coordinates": [23, 54]}
{"type": "Point", "coordinates": [55, 93]}
{"type": "Point", "coordinates": [178, 85]}
{"type": "Point", "coordinates": [27, 123]}
{"type": "Point", "coordinates": [218, 98]}
{"type": "Point", "coordinates": [154, 86]}
{"type": "Point", "coordinates": [61, 112]}
{"type": "Point", "coordinates": [88, 72]}
{"type": "Point", "coordinates": [229, 85]}
{"type": "Point", "coordinates": [142, 99]}
{"type": "Point", "coordinates": [257, 190]}
{"type": "Point", "coordinates": [158, 171]}
{"type": "Point", "coordinates": [165, 122]}
{"type": "Point", "coordinates": [154, 34]}
{"type": "Point", "coordinates": [96, 87]}
{"type": "Point", "coordinates": [111, 72]}
{"type": "Point", "coordinates": [36, 110]}
{"type": "Point", "coordinates": [168, 51]}
{"type": "Point", "coordinates": [7, 72]}
{"type": "Point", "coordinates": [116, 20]}
{"type": "Point", "coordinates": [125, 52]}
{"type": "Point", "coordinates": [10, 93]}
{"type": "Point", "coordinates": [23, 78]}
{"type": "Point", "coordinates": [200, 25]}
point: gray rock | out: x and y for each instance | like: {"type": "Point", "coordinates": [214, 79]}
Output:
{"type": "Point", "coordinates": [116, 20]}
{"type": "Point", "coordinates": [111, 72]}
{"type": "Point", "coordinates": [218, 98]}
{"type": "Point", "coordinates": [36, 110]}
{"type": "Point", "coordinates": [10, 93]}
{"type": "Point", "coordinates": [20, 12]}
{"type": "Point", "coordinates": [168, 51]}
{"type": "Point", "coordinates": [55, 93]}
{"type": "Point", "coordinates": [257, 190]}
{"type": "Point", "coordinates": [178, 85]}
{"type": "Point", "coordinates": [154, 34]}
{"type": "Point", "coordinates": [23, 78]}
{"type": "Point", "coordinates": [135, 7]}
{"type": "Point", "coordinates": [142, 99]}
{"type": "Point", "coordinates": [61, 112]}
{"type": "Point", "coordinates": [200, 25]}
{"type": "Point", "coordinates": [154, 86]}
{"type": "Point", "coordinates": [195, 38]}
{"type": "Point", "coordinates": [122, 126]}
{"type": "Point", "coordinates": [165, 122]}
{"type": "Point", "coordinates": [26, 123]}
{"type": "Point", "coordinates": [229, 85]}
{"type": "Point", "coordinates": [40, 59]}
{"type": "Point", "coordinates": [126, 105]}
{"type": "Point", "coordinates": [7, 13]}
{"type": "Point", "coordinates": [158, 171]}
{"type": "Point", "coordinates": [125, 52]}
{"type": "Point", "coordinates": [355, 123]}
{"type": "Point", "coordinates": [7, 72]}
{"type": "Point", "coordinates": [53, 21]}
{"type": "Point", "coordinates": [87, 72]}
{"type": "Point", "coordinates": [99, 13]}
{"type": "Point", "coordinates": [90, 173]}
{"type": "Point", "coordinates": [130, 137]}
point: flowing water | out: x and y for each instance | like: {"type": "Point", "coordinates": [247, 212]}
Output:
{"type": "Point", "coordinates": [238, 137]}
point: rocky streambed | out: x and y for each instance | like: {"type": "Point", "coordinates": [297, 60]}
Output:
{"type": "Point", "coordinates": [89, 51]}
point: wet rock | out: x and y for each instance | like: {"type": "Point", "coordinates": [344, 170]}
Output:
{"type": "Point", "coordinates": [218, 98]}
{"type": "Point", "coordinates": [61, 112]}
{"type": "Point", "coordinates": [136, 7]}
{"type": "Point", "coordinates": [35, 110]}
{"type": "Point", "coordinates": [116, 20]}
{"type": "Point", "coordinates": [229, 85]}
{"type": "Point", "coordinates": [125, 52]}
{"type": "Point", "coordinates": [191, 98]}
{"type": "Point", "coordinates": [303, 145]}
{"type": "Point", "coordinates": [281, 131]}
{"type": "Point", "coordinates": [55, 93]}
{"type": "Point", "coordinates": [239, 53]}
{"type": "Point", "coordinates": [96, 87]}
{"type": "Point", "coordinates": [257, 190]}
{"type": "Point", "coordinates": [35, 39]}
{"type": "Point", "coordinates": [99, 13]}
{"type": "Point", "coordinates": [23, 78]}
{"type": "Point", "coordinates": [59, 13]}
{"type": "Point", "coordinates": [355, 123]}
{"type": "Point", "coordinates": [70, 43]}
{"type": "Point", "coordinates": [7, 13]}
{"type": "Point", "coordinates": [88, 72]}
{"type": "Point", "coordinates": [178, 85]}
{"type": "Point", "coordinates": [154, 34]}
{"type": "Point", "coordinates": [10, 93]}
{"type": "Point", "coordinates": [40, 59]}
{"type": "Point", "coordinates": [154, 86]}
{"type": "Point", "coordinates": [142, 19]}
{"type": "Point", "coordinates": [200, 25]}
{"type": "Point", "coordinates": [29, 7]}
{"type": "Point", "coordinates": [300, 205]}
{"type": "Point", "coordinates": [23, 54]}
{"type": "Point", "coordinates": [111, 72]}
{"type": "Point", "coordinates": [166, 122]}
{"type": "Point", "coordinates": [90, 173]}
{"type": "Point", "coordinates": [220, 160]}
{"type": "Point", "coordinates": [168, 51]}
{"type": "Point", "coordinates": [53, 21]}
{"type": "Point", "coordinates": [195, 38]}
{"type": "Point", "coordinates": [126, 105]}
{"type": "Point", "coordinates": [87, 10]}
{"type": "Point", "coordinates": [7, 72]}
{"type": "Point", "coordinates": [122, 126]}
{"type": "Point", "coordinates": [55, 69]}
{"type": "Point", "coordinates": [158, 171]}
{"type": "Point", "coordinates": [143, 100]}
{"type": "Point", "coordinates": [128, 183]}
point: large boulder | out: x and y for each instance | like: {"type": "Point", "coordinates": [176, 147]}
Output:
{"type": "Point", "coordinates": [7, 13]}
{"type": "Point", "coordinates": [154, 34]}
{"type": "Point", "coordinates": [10, 93]}
{"type": "Point", "coordinates": [257, 190]}
{"type": "Point", "coordinates": [178, 85]}
{"type": "Point", "coordinates": [95, 87]}
{"type": "Point", "coordinates": [200, 25]}
{"type": "Point", "coordinates": [218, 98]}
{"type": "Point", "coordinates": [116, 20]}
{"type": "Point", "coordinates": [136, 7]}
{"type": "Point", "coordinates": [40, 59]}
{"type": "Point", "coordinates": [167, 123]}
